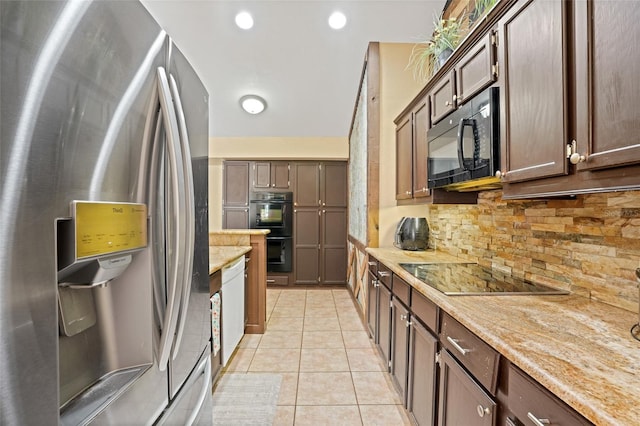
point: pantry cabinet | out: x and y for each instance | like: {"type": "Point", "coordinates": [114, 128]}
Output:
{"type": "Point", "coordinates": [235, 195]}
{"type": "Point", "coordinates": [320, 223]}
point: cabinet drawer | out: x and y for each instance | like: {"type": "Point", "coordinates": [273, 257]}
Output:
{"type": "Point", "coordinates": [425, 310]}
{"type": "Point", "coordinates": [478, 357]}
{"type": "Point", "coordinates": [277, 279]}
{"type": "Point", "coordinates": [373, 265]}
{"type": "Point", "coordinates": [528, 400]}
{"type": "Point", "coordinates": [402, 290]}
{"type": "Point", "coordinates": [385, 275]}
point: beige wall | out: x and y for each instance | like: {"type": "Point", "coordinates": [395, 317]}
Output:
{"type": "Point", "coordinates": [280, 148]}
{"type": "Point", "coordinates": [397, 89]}
{"type": "Point", "coordinates": [264, 148]}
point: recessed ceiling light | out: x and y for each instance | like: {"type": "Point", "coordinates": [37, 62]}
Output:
{"type": "Point", "coordinates": [337, 20]}
{"type": "Point", "coordinates": [244, 20]}
{"type": "Point", "coordinates": [253, 104]}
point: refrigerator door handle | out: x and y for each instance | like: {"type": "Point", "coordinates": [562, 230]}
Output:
{"type": "Point", "coordinates": [157, 235]}
{"type": "Point", "coordinates": [206, 386]}
{"type": "Point", "coordinates": [176, 195]}
{"type": "Point", "coordinates": [189, 213]}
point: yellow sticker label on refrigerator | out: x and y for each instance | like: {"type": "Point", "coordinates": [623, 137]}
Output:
{"type": "Point", "coordinates": [103, 228]}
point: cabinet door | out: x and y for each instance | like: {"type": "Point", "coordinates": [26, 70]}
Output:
{"type": "Point", "coordinates": [533, 90]}
{"type": "Point", "coordinates": [462, 400]}
{"type": "Point", "coordinates": [399, 346]}
{"type": "Point", "coordinates": [306, 254]}
{"type": "Point", "coordinates": [279, 175]}
{"type": "Point", "coordinates": [420, 149]}
{"type": "Point", "coordinates": [384, 323]}
{"type": "Point", "coordinates": [608, 88]}
{"type": "Point", "coordinates": [334, 246]}
{"type": "Point", "coordinates": [333, 190]}
{"type": "Point", "coordinates": [443, 99]}
{"type": "Point", "coordinates": [474, 71]}
{"type": "Point", "coordinates": [404, 159]}
{"type": "Point", "coordinates": [235, 218]}
{"type": "Point", "coordinates": [306, 185]}
{"type": "Point", "coordinates": [235, 191]}
{"type": "Point", "coordinates": [261, 175]}
{"type": "Point", "coordinates": [421, 386]}
{"type": "Point", "coordinates": [372, 306]}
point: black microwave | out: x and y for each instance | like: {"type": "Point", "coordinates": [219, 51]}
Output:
{"type": "Point", "coordinates": [464, 148]}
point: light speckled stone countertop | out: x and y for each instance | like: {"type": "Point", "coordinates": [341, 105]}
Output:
{"type": "Point", "coordinates": [581, 350]}
{"type": "Point", "coordinates": [241, 231]}
{"type": "Point", "coordinates": [219, 256]}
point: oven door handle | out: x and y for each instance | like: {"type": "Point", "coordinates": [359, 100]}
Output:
{"type": "Point", "coordinates": [476, 143]}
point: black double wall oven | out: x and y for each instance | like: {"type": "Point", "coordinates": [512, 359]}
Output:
{"type": "Point", "coordinates": [274, 211]}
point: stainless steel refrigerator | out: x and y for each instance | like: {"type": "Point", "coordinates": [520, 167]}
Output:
{"type": "Point", "coordinates": [104, 291]}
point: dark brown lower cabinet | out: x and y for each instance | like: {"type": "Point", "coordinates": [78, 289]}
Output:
{"type": "Point", "coordinates": [384, 323]}
{"type": "Point", "coordinates": [462, 400]}
{"type": "Point", "coordinates": [422, 385]}
{"type": "Point", "coordinates": [531, 404]}
{"type": "Point", "coordinates": [399, 346]}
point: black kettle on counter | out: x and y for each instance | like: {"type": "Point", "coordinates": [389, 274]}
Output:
{"type": "Point", "coordinates": [412, 233]}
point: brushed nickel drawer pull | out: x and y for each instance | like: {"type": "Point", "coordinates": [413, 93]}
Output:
{"type": "Point", "coordinates": [459, 348]}
{"type": "Point", "coordinates": [271, 281]}
{"type": "Point", "coordinates": [384, 273]}
{"type": "Point", "coordinates": [370, 263]}
{"type": "Point", "coordinates": [536, 421]}
{"type": "Point", "coordinates": [482, 410]}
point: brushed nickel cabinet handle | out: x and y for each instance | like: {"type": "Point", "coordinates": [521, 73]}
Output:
{"type": "Point", "coordinates": [456, 345]}
{"type": "Point", "coordinates": [384, 273]}
{"type": "Point", "coordinates": [536, 421]}
{"type": "Point", "coordinates": [482, 410]}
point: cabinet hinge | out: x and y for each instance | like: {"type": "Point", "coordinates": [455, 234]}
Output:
{"type": "Point", "coordinates": [319, 166]}
{"type": "Point", "coordinates": [389, 363]}
{"type": "Point", "coordinates": [494, 39]}
{"type": "Point", "coordinates": [494, 70]}
{"type": "Point", "coordinates": [391, 304]}
{"type": "Point", "coordinates": [288, 183]}
{"type": "Point", "coordinates": [318, 279]}
{"type": "Point", "coordinates": [438, 358]}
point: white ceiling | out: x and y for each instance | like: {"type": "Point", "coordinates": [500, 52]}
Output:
{"type": "Point", "coordinates": [307, 72]}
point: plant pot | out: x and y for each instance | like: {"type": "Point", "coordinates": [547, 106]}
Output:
{"type": "Point", "coordinates": [443, 56]}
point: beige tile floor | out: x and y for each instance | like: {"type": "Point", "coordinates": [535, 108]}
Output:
{"type": "Point", "coordinates": [331, 373]}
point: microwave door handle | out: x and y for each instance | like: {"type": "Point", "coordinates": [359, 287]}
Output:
{"type": "Point", "coordinates": [461, 126]}
{"type": "Point", "coordinates": [464, 123]}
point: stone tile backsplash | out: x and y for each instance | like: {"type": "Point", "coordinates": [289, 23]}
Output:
{"type": "Point", "coordinates": [589, 245]}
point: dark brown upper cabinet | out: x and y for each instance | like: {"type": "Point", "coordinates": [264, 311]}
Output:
{"type": "Point", "coordinates": [271, 175]}
{"type": "Point", "coordinates": [411, 152]}
{"type": "Point", "coordinates": [476, 70]}
{"type": "Point", "coordinates": [572, 128]}
{"type": "Point", "coordinates": [533, 90]}
{"type": "Point", "coordinates": [607, 44]}
{"type": "Point", "coordinates": [404, 156]}
{"type": "Point", "coordinates": [443, 97]}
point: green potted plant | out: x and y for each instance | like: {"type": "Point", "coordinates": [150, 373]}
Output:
{"type": "Point", "coordinates": [428, 56]}
{"type": "Point", "coordinates": [480, 8]}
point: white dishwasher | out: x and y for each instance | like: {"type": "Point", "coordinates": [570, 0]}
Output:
{"type": "Point", "coordinates": [232, 294]}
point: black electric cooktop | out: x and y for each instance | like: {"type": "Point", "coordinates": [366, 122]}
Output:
{"type": "Point", "coordinates": [468, 279]}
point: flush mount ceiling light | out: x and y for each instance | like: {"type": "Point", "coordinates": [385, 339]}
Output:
{"type": "Point", "coordinates": [244, 20]}
{"type": "Point", "coordinates": [253, 104]}
{"type": "Point", "coordinates": [337, 20]}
